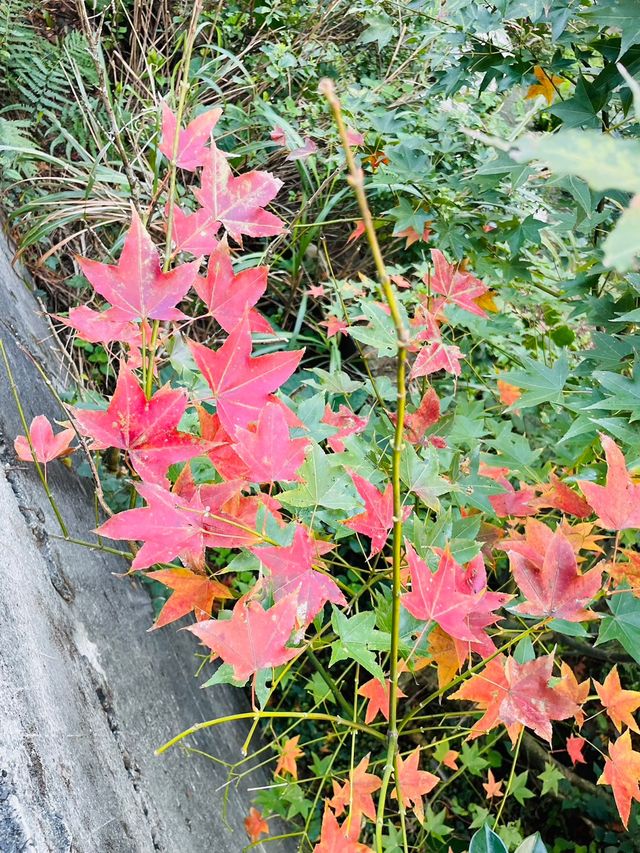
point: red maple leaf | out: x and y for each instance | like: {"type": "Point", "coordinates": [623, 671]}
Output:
{"type": "Point", "coordinates": [46, 445]}
{"type": "Point", "coordinates": [291, 571]}
{"type": "Point", "coordinates": [557, 495]}
{"type": "Point", "coordinates": [414, 783]}
{"type": "Point", "coordinates": [378, 696]}
{"type": "Point", "coordinates": [457, 286]}
{"type": "Point", "coordinates": [101, 327]}
{"type": "Point", "coordinates": [510, 502]}
{"type": "Point", "coordinates": [575, 745]}
{"type": "Point", "coordinates": [338, 839]}
{"type": "Point", "coordinates": [334, 325]}
{"type": "Point", "coordinates": [193, 232]}
{"type": "Point", "coordinates": [253, 638]}
{"type": "Point", "coordinates": [144, 428]}
{"type": "Point", "coordinates": [255, 824]}
{"type": "Point", "coordinates": [473, 581]}
{"type": "Point", "coordinates": [516, 695]}
{"type": "Point", "coordinates": [241, 385]}
{"type": "Point", "coordinates": [237, 202]}
{"type": "Point", "coordinates": [346, 422]}
{"type": "Point", "coordinates": [191, 142]}
{"type": "Point", "coordinates": [551, 583]}
{"type": "Point", "coordinates": [268, 451]}
{"type": "Point", "coordinates": [221, 447]}
{"type": "Point", "coordinates": [435, 596]}
{"type": "Point", "coordinates": [228, 296]}
{"type": "Point", "coordinates": [426, 415]}
{"type": "Point", "coordinates": [170, 525]}
{"type": "Point", "coordinates": [437, 356]}
{"type": "Point", "coordinates": [617, 504]}
{"type": "Point", "coordinates": [377, 519]}
{"type": "Point", "coordinates": [357, 232]}
{"type": "Point", "coordinates": [622, 772]}
{"type": "Point", "coordinates": [136, 286]}
{"type": "Point", "coordinates": [356, 794]}
{"type": "Point", "coordinates": [191, 592]}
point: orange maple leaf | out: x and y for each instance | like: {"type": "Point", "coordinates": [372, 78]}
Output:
{"type": "Point", "coordinates": [255, 824]}
{"type": "Point", "coordinates": [618, 703]}
{"type": "Point", "coordinates": [378, 696]}
{"type": "Point", "coordinates": [575, 690]}
{"type": "Point", "coordinates": [288, 758]}
{"type": "Point", "coordinates": [546, 85]}
{"type": "Point", "coordinates": [622, 772]}
{"type": "Point", "coordinates": [413, 783]}
{"type": "Point", "coordinates": [509, 394]}
{"type": "Point", "coordinates": [191, 591]}
{"type": "Point", "coordinates": [442, 649]}
{"type": "Point", "coordinates": [356, 793]}
{"type": "Point", "coordinates": [338, 839]}
{"type": "Point", "coordinates": [626, 572]}
{"type": "Point", "coordinates": [449, 759]}
{"type": "Point", "coordinates": [487, 302]}
{"type": "Point", "coordinates": [493, 788]}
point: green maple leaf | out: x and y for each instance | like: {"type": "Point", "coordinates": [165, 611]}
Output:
{"type": "Point", "coordinates": [324, 483]}
{"type": "Point", "coordinates": [541, 384]}
{"type": "Point", "coordinates": [357, 639]}
{"type": "Point", "coordinates": [519, 788]}
{"type": "Point", "coordinates": [620, 15]}
{"type": "Point", "coordinates": [624, 623]}
{"type": "Point", "coordinates": [550, 777]}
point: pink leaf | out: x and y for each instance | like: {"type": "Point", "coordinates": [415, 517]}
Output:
{"type": "Point", "coordinates": [227, 296]}
{"type": "Point", "coordinates": [241, 385]}
{"type": "Point", "coordinates": [192, 142]}
{"type": "Point", "coordinates": [269, 453]}
{"type": "Point", "coordinates": [253, 638]}
{"type": "Point", "coordinates": [136, 286]}
{"type": "Point", "coordinates": [291, 571]}
{"type": "Point", "coordinates": [237, 202]}
{"type": "Point", "coordinates": [147, 429]}
{"type": "Point", "coordinates": [46, 445]}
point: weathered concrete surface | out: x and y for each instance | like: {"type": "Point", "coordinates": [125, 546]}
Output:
{"type": "Point", "coordinates": [86, 695]}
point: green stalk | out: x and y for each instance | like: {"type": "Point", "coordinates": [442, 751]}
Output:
{"type": "Point", "coordinates": [356, 181]}
{"type": "Point", "coordinates": [25, 426]}
{"type": "Point", "coordinates": [182, 98]}
{"type": "Point", "coordinates": [270, 715]}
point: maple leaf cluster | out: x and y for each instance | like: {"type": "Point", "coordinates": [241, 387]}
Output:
{"type": "Point", "coordinates": [235, 418]}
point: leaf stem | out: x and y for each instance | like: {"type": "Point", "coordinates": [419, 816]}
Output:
{"type": "Point", "coordinates": [331, 684]}
{"type": "Point", "coordinates": [41, 473]}
{"type": "Point", "coordinates": [356, 181]}
{"type": "Point", "coordinates": [270, 715]}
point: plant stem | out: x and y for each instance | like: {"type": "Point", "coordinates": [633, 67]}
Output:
{"type": "Point", "coordinates": [182, 98]}
{"type": "Point", "coordinates": [41, 473]}
{"type": "Point", "coordinates": [331, 684]}
{"type": "Point", "coordinates": [270, 715]}
{"type": "Point", "coordinates": [356, 181]}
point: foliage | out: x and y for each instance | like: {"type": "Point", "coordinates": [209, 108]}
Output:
{"type": "Point", "coordinates": [354, 561]}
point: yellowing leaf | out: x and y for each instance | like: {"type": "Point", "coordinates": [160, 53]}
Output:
{"type": "Point", "coordinates": [545, 87]}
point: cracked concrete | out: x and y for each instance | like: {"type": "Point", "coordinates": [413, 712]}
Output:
{"type": "Point", "coordinates": [86, 694]}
